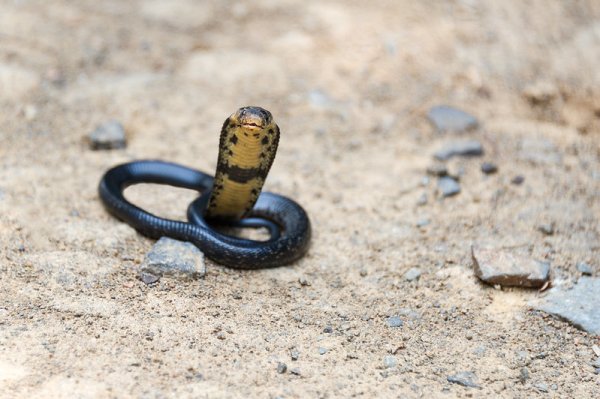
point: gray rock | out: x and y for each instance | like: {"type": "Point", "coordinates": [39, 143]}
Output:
{"type": "Point", "coordinates": [464, 378]}
{"type": "Point", "coordinates": [108, 136]}
{"type": "Point", "coordinates": [322, 351]}
{"type": "Point", "coordinates": [328, 330]}
{"type": "Point", "coordinates": [437, 169]}
{"type": "Point", "coordinates": [281, 367]}
{"type": "Point", "coordinates": [488, 168]}
{"type": "Point", "coordinates": [390, 362]}
{"type": "Point", "coordinates": [448, 187]}
{"type": "Point", "coordinates": [540, 386]}
{"type": "Point", "coordinates": [294, 354]}
{"type": "Point", "coordinates": [394, 321]}
{"type": "Point", "coordinates": [579, 305]}
{"type": "Point", "coordinates": [584, 269]}
{"type": "Point", "coordinates": [412, 274]}
{"type": "Point", "coordinates": [296, 371]}
{"type": "Point", "coordinates": [468, 148]}
{"type": "Point", "coordinates": [449, 119]}
{"type": "Point", "coordinates": [500, 266]}
{"type": "Point", "coordinates": [174, 258]}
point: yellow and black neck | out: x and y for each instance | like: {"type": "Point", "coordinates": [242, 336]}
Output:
{"type": "Point", "coordinates": [247, 148]}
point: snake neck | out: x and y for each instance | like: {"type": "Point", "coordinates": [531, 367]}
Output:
{"type": "Point", "coordinates": [246, 154]}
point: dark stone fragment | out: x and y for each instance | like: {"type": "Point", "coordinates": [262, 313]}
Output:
{"type": "Point", "coordinates": [488, 168]}
{"type": "Point", "coordinates": [517, 180]}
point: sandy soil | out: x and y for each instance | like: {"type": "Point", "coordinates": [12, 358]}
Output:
{"type": "Point", "coordinates": [350, 86]}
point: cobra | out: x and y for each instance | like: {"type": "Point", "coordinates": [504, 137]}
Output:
{"type": "Point", "coordinates": [233, 198]}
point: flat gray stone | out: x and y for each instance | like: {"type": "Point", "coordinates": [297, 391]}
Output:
{"type": "Point", "coordinates": [449, 119]}
{"type": "Point", "coordinates": [174, 258]}
{"type": "Point", "coordinates": [506, 268]}
{"type": "Point", "coordinates": [465, 148]}
{"type": "Point", "coordinates": [108, 136]}
{"type": "Point", "coordinates": [448, 187]}
{"type": "Point", "coordinates": [464, 378]}
{"type": "Point", "coordinates": [580, 305]}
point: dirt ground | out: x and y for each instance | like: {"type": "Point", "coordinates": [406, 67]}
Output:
{"type": "Point", "coordinates": [350, 85]}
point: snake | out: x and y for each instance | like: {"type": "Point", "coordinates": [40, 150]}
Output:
{"type": "Point", "coordinates": [233, 198]}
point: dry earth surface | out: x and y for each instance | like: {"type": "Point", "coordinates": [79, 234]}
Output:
{"type": "Point", "coordinates": [350, 84]}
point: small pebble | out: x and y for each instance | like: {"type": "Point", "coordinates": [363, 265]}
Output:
{"type": "Point", "coordinates": [108, 136]}
{"type": "Point", "coordinates": [328, 330]}
{"type": "Point", "coordinates": [412, 274]}
{"type": "Point", "coordinates": [394, 321]}
{"type": "Point", "coordinates": [488, 168]}
{"type": "Point", "coordinates": [149, 278]}
{"type": "Point", "coordinates": [464, 378]}
{"type": "Point", "coordinates": [449, 119]}
{"type": "Point", "coordinates": [422, 200]}
{"type": "Point", "coordinates": [584, 269]}
{"type": "Point", "coordinates": [281, 367]}
{"type": "Point", "coordinates": [295, 371]}
{"type": "Point", "coordinates": [517, 180]}
{"type": "Point", "coordinates": [448, 187]}
{"type": "Point", "coordinates": [304, 282]}
{"type": "Point", "coordinates": [546, 228]}
{"type": "Point", "coordinates": [322, 351]}
{"type": "Point", "coordinates": [390, 362]}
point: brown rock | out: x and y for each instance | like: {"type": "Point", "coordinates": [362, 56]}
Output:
{"type": "Point", "coordinates": [501, 266]}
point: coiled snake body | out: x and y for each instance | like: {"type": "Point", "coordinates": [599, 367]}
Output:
{"type": "Point", "coordinates": [233, 198]}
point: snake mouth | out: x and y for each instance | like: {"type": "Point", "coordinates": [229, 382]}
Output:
{"type": "Point", "coordinates": [252, 125]}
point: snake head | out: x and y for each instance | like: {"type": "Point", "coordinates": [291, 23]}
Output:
{"type": "Point", "coordinates": [252, 118]}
